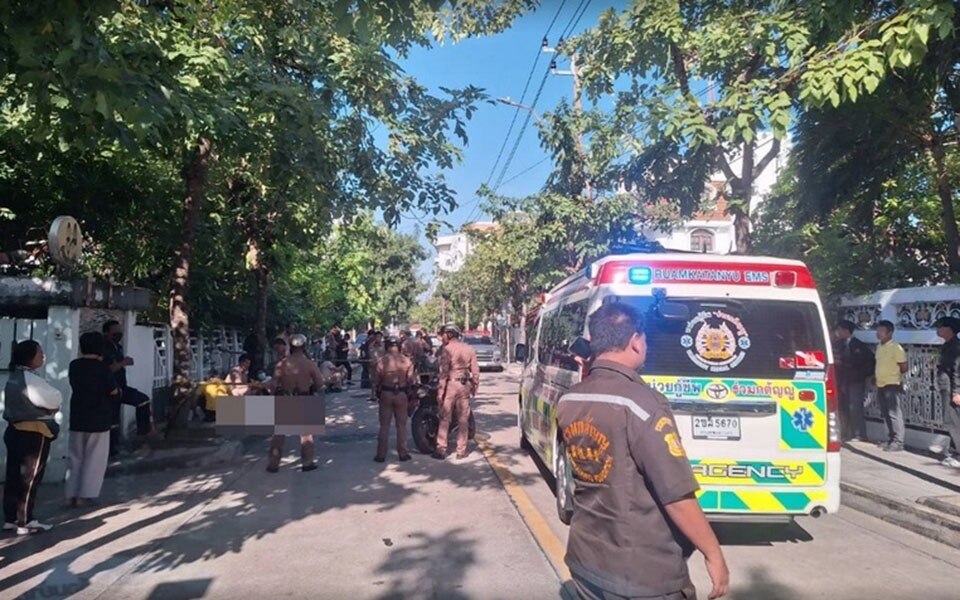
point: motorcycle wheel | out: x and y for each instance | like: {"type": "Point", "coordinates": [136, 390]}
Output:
{"type": "Point", "coordinates": [424, 425]}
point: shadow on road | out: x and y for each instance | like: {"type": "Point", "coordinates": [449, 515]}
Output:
{"type": "Point", "coordinates": [760, 534]}
{"type": "Point", "coordinates": [206, 515]}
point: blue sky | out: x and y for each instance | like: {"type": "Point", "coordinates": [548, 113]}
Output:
{"type": "Point", "coordinates": [500, 65]}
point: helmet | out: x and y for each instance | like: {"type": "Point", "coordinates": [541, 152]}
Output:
{"type": "Point", "coordinates": [451, 329]}
{"type": "Point", "coordinates": [391, 342]}
{"type": "Point", "coordinates": [298, 340]}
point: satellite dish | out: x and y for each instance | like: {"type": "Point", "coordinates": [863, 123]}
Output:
{"type": "Point", "coordinates": [65, 241]}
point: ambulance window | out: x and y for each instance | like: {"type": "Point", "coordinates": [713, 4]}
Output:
{"type": "Point", "coordinates": [735, 338]}
{"type": "Point", "coordinates": [559, 329]}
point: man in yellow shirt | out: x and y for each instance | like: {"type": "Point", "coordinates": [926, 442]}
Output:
{"type": "Point", "coordinates": [891, 365]}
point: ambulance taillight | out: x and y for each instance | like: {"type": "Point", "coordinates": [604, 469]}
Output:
{"type": "Point", "coordinates": [833, 418]}
{"type": "Point", "coordinates": [786, 279]}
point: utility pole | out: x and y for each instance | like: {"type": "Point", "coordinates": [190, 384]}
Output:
{"type": "Point", "coordinates": [574, 73]}
{"type": "Point", "coordinates": [466, 316]}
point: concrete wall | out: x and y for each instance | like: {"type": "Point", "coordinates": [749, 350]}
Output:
{"type": "Point", "coordinates": [724, 241]}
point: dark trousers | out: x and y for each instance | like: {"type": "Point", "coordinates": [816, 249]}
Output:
{"type": "Point", "coordinates": [27, 454]}
{"type": "Point", "coordinates": [951, 420]}
{"type": "Point", "coordinates": [890, 398]}
{"type": "Point", "coordinates": [345, 363]}
{"type": "Point", "coordinates": [141, 402]}
{"type": "Point", "coordinates": [586, 590]}
{"type": "Point", "coordinates": [365, 374]}
{"type": "Point", "coordinates": [852, 420]}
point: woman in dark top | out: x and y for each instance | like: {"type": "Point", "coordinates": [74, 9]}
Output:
{"type": "Point", "coordinates": [30, 408]}
{"type": "Point", "coordinates": [92, 405]}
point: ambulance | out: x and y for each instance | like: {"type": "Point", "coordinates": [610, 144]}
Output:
{"type": "Point", "coordinates": [740, 348]}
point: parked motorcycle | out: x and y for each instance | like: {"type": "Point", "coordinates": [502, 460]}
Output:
{"type": "Point", "coordinates": [425, 418]}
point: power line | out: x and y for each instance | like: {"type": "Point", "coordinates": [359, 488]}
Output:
{"type": "Point", "coordinates": [523, 95]}
{"type": "Point", "coordinates": [575, 19]}
{"type": "Point", "coordinates": [523, 129]}
{"type": "Point", "coordinates": [528, 169]}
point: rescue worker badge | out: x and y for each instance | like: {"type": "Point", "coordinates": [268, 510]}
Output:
{"type": "Point", "coordinates": [673, 445]}
{"type": "Point", "coordinates": [589, 452]}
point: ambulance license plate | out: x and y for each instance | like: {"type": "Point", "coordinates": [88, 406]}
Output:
{"type": "Point", "coordinates": [712, 427]}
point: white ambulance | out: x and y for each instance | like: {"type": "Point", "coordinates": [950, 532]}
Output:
{"type": "Point", "coordinates": [739, 346]}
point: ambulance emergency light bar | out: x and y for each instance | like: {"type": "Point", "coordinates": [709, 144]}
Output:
{"type": "Point", "coordinates": [689, 272]}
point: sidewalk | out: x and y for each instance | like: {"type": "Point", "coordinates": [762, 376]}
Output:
{"type": "Point", "coordinates": [908, 489]}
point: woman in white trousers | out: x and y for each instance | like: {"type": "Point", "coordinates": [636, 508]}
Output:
{"type": "Point", "coordinates": [92, 404]}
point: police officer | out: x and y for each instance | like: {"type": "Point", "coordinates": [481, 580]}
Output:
{"type": "Point", "coordinates": [459, 379]}
{"type": "Point", "coordinates": [375, 352]}
{"type": "Point", "coordinates": [634, 504]}
{"type": "Point", "coordinates": [413, 349]}
{"type": "Point", "coordinates": [393, 375]}
{"type": "Point", "coordinates": [295, 375]}
{"type": "Point", "coordinates": [948, 384]}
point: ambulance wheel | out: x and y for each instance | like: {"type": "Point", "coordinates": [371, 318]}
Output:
{"type": "Point", "coordinates": [563, 484]}
{"type": "Point", "coordinates": [424, 425]}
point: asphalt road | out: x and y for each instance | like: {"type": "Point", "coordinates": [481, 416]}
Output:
{"type": "Point", "coordinates": [846, 556]}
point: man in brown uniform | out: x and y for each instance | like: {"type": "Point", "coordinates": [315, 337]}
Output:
{"type": "Point", "coordinates": [392, 377]}
{"type": "Point", "coordinates": [295, 375]}
{"type": "Point", "coordinates": [374, 353]}
{"type": "Point", "coordinates": [413, 349]}
{"type": "Point", "coordinates": [459, 379]}
{"type": "Point", "coordinates": [635, 509]}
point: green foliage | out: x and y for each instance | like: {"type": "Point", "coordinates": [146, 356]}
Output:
{"type": "Point", "coordinates": [901, 244]}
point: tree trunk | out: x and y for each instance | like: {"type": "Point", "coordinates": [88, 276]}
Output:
{"type": "Point", "coordinates": [261, 273]}
{"type": "Point", "coordinates": [743, 190]}
{"type": "Point", "coordinates": [945, 193]}
{"type": "Point", "coordinates": [194, 179]}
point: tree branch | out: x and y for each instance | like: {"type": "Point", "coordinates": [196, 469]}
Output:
{"type": "Point", "coordinates": [724, 164]}
{"type": "Point", "coordinates": [773, 152]}
{"type": "Point", "coordinates": [680, 68]}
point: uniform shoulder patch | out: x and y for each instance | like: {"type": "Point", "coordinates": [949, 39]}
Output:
{"type": "Point", "coordinates": [663, 423]}
{"type": "Point", "coordinates": [672, 440]}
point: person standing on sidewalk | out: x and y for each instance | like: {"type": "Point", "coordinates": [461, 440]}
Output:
{"type": "Point", "coordinates": [93, 397]}
{"type": "Point", "coordinates": [635, 509]}
{"type": "Point", "coordinates": [459, 380]}
{"type": "Point", "coordinates": [296, 375]}
{"type": "Point", "coordinates": [948, 384]}
{"type": "Point", "coordinates": [392, 377]}
{"type": "Point", "coordinates": [30, 407]}
{"type": "Point", "coordinates": [891, 365]}
{"type": "Point", "coordinates": [856, 366]}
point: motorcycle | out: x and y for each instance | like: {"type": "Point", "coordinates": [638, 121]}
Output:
{"type": "Point", "coordinates": [425, 418]}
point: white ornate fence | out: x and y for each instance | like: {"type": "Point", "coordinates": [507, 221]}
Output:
{"type": "Point", "coordinates": [913, 311]}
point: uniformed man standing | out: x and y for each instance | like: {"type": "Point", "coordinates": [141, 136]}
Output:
{"type": "Point", "coordinates": [634, 505]}
{"type": "Point", "coordinates": [374, 353]}
{"type": "Point", "coordinates": [295, 375]}
{"type": "Point", "coordinates": [459, 379]}
{"type": "Point", "coordinates": [413, 349]}
{"type": "Point", "coordinates": [393, 375]}
{"type": "Point", "coordinates": [948, 384]}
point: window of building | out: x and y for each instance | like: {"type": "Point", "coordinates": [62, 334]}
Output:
{"type": "Point", "coordinates": [701, 240]}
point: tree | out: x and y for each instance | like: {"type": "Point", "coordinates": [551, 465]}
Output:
{"type": "Point", "coordinates": [703, 79]}
{"type": "Point", "coordinates": [286, 97]}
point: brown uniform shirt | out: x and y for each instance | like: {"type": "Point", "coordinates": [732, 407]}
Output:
{"type": "Point", "coordinates": [393, 372]}
{"type": "Point", "coordinates": [458, 362]}
{"type": "Point", "coordinates": [628, 462]}
{"type": "Point", "coordinates": [298, 375]}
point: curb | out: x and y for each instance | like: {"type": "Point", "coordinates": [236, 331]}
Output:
{"type": "Point", "coordinates": [913, 517]}
{"type": "Point", "coordinates": [228, 452]}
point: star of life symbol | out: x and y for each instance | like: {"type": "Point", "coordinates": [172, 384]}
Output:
{"type": "Point", "coordinates": [802, 419]}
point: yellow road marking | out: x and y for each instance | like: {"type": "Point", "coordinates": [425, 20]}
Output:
{"type": "Point", "coordinates": [547, 540]}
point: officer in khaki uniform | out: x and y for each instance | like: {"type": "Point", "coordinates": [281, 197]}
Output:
{"type": "Point", "coordinates": [295, 375]}
{"type": "Point", "coordinates": [393, 375]}
{"type": "Point", "coordinates": [459, 379]}
{"type": "Point", "coordinates": [635, 510]}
